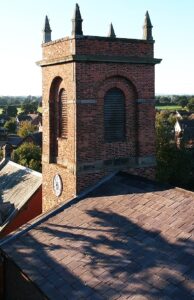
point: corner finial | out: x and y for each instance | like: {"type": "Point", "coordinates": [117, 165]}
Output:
{"type": "Point", "coordinates": [111, 31]}
{"type": "Point", "coordinates": [77, 22]}
{"type": "Point", "coordinates": [46, 31]}
{"type": "Point", "coordinates": [147, 28]}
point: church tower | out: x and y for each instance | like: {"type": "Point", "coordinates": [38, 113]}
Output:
{"type": "Point", "coordinates": [98, 109]}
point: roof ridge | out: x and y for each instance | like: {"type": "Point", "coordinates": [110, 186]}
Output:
{"type": "Point", "coordinates": [24, 168]}
{"type": "Point", "coordinates": [184, 190]}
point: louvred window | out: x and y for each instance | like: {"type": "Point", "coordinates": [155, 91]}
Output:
{"type": "Point", "coordinates": [63, 114]}
{"type": "Point", "coordinates": [114, 116]}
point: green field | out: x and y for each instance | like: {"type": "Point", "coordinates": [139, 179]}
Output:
{"type": "Point", "coordinates": [19, 110]}
{"type": "Point", "coordinates": [169, 107]}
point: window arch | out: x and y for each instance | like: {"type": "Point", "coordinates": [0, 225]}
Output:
{"type": "Point", "coordinates": [114, 115]}
{"type": "Point", "coordinates": [53, 118]}
{"type": "Point", "coordinates": [63, 114]}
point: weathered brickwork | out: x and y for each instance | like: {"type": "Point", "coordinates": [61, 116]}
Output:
{"type": "Point", "coordinates": [69, 185]}
{"type": "Point", "coordinates": [87, 67]}
{"type": "Point", "coordinates": [91, 45]}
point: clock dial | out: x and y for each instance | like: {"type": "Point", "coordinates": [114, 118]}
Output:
{"type": "Point", "coordinates": [57, 185]}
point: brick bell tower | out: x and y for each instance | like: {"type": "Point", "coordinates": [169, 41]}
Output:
{"type": "Point", "coordinates": [98, 109]}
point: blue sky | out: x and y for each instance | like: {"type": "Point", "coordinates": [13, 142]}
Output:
{"type": "Point", "coordinates": [21, 23]}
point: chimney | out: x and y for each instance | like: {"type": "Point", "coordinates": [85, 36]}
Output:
{"type": "Point", "coordinates": [7, 151]}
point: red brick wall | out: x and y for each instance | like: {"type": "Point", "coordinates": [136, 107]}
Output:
{"type": "Point", "coordinates": [107, 46]}
{"type": "Point", "coordinates": [136, 81]}
{"type": "Point", "coordinates": [139, 117]}
{"type": "Point", "coordinates": [66, 147]}
{"type": "Point", "coordinates": [31, 209]}
{"type": "Point", "coordinates": [59, 48]}
{"type": "Point", "coordinates": [69, 185]}
{"type": "Point", "coordinates": [88, 68]}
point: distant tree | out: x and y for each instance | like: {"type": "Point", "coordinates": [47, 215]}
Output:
{"type": "Point", "coordinates": [164, 129]}
{"type": "Point", "coordinates": [157, 101]}
{"type": "Point", "coordinates": [174, 166]}
{"type": "Point", "coordinates": [10, 110]}
{"type": "Point", "coordinates": [3, 101]}
{"type": "Point", "coordinates": [174, 99]}
{"type": "Point", "coordinates": [165, 100]}
{"type": "Point", "coordinates": [26, 128]}
{"type": "Point", "coordinates": [183, 102]}
{"type": "Point", "coordinates": [28, 155]}
{"type": "Point", "coordinates": [29, 107]}
{"type": "Point", "coordinates": [11, 125]}
{"type": "Point", "coordinates": [190, 104]}
{"type": "Point", "coordinates": [17, 102]}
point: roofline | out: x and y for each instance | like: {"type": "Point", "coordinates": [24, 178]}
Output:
{"type": "Point", "coordinates": [27, 227]}
{"type": "Point", "coordinates": [94, 37]}
{"type": "Point", "coordinates": [38, 174]}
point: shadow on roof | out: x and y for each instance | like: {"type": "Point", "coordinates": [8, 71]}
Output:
{"type": "Point", "coordinates": [124, 184]}
{"type": "Point", "coordinates": [111, 257]}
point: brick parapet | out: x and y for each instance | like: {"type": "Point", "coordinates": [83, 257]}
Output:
{"type": "Point", "coordinates": [92, 48]}
{"type": "Point", "coordinates": [98, 46]}
{"type": "Point", "coordinates": [107, 46]}
{"type": "Point", "coordinates": [59, 48]}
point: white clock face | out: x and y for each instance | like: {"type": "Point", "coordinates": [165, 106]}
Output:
{"type": "Point", "coordinates": [57, 185]}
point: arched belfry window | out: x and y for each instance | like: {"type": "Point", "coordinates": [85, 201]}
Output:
{"type": "Point", "coordinates": [54, 118]}
{"type": "Point", "coordinates": [114, 115]}
{"type": "Point", "coordinates": [63, 114]}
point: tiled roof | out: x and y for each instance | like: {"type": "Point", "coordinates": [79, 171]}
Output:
{"type": "Point", "coordinates": [187, 127]}
{"type": "Point", "coordinates": [187, 123]}
{"type": "Point", "coordinates": [184, 112]}
{"type": "Point", "coordinates": [36, 137]}
{"type": "Point", "coordinates": [36, 118]}
{"type": "Point", "coordinates": [128, 239]}
{"type": "Point", "coordinates": [17, 185]}
{"type": "Point", "coordinates": [23, 117]}
{"type": "Point", "coordinates": [14, 140]}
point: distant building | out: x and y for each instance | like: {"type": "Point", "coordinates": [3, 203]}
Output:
{"type": "Point", "coordinates": [22, 118]}
{"type": "Point", "coordinates": [184, 133]}
{"type": "Point", "coordinates": [14, 140]}
{"type": "Point", "coordinates": [182, 114]}
{"type": "Point", "coordinates": [3, 119]}
{"type": "Point", "coordinates": [20, 196]}
{"type": "Point", "coordinates": [35, 138]}
{"type": "Point", "coordinates": [36, 119]}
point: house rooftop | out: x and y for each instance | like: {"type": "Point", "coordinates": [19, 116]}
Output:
{"type": "Point", "coordinates": [14, 140]}
{"type": "Point", "coordinates": [36, 137]}
{"type": "Point", "coordinates": [187, 123]}
{"type": "Point", "coordinates": [129, 238]}
{"type": "Point", "coordinates": [17, 185]}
